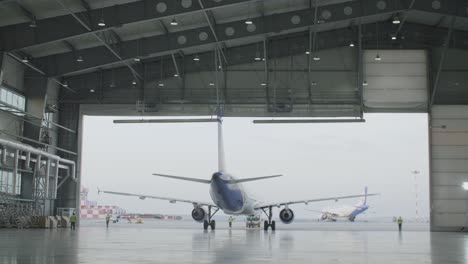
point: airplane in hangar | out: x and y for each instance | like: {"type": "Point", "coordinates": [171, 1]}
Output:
{"type": "Point", "coordinates": [349, 212]}
{"type": "Point", "coordinates": [226, 191]}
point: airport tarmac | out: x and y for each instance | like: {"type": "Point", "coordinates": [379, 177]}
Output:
{"type": "Point", "coordinates": [186, 242]}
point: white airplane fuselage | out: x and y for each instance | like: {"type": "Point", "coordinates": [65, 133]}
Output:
{"type": "Point", "coordinates": [349, 212]}
{"type": "Point", "coordinates": [231, 197]}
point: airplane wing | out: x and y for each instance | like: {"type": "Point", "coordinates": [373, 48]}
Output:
{"type": "Point", "coordinates": [315, 211]}
{"type": "Point", "coordinates": [307, 201]}
{"type": "Point", "coordinates": [324, 212]}
{"type": "Point", "coordinates": [171, 200]}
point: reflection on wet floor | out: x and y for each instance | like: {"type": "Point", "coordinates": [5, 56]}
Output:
{"type": "Point", "coordinates": [153, 244]}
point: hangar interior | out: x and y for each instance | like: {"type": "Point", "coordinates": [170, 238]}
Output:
{"type": "Point", "coordinates": [62, 59]}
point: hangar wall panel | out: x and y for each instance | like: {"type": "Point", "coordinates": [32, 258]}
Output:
{"type": "Point", "coordinates": [329, 91]}
{"type": "Point", "coordinates": [396, 83]}
{"type": "Point", "coordinates": [453, 76]}
{"type": "Point", "coordinates": [246, 84]}
{"type": "Point", "coordinates": [12, 78]}
{"type": "Point", "coordinates": [449, 167]}
{"type": "Point", "coordinates": [13, 73]}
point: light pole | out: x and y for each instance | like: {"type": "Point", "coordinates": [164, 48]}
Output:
{"type": "Point", "coordinates": [416, 172]}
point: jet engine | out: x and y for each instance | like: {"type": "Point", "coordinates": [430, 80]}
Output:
{"type": "Point", "coordinates": [199, 214]}
{"type": "Point", "coordinates": [286, 216]}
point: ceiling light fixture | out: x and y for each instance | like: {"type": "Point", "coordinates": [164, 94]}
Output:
{"type": "Point", "coordinates": [25, 60]}
{"type": "Point", "coordinates": [365, 83]}
{"type": "Point", "coordinates": [263, 84]}
{"type": "Point", "coordinates": [65, 84]}
{"type": "Point", "coordinates": [211, 84]}
{"type": "Point", "coordinates": [394, 37]}
{"type": "Point", "coordinates": [307, 52]}
{"type": "Point", "coordinates": [377, 57]}
{"type": "Point", "coordinates": [351, 44]}
{"type": "Point", "coordinates": [79, 59]}
{"type": "Point", "coordinates": [136, 59]}
{"type": "Point", "coordinates": [316, 58]}
{"type": "Point", "coordinates": [91, 91]}
{"type": "Point", "coordinates": [176, 75]}
{"type": "Point", "coordinates": [196, 58]}
{"type": "Point", "coordinates": [33, 23]}
{"type": "Point", "coordinates": [396, 20]}
{"type": "Point", "coordinates": [257, 56]}
{"type": "Point", "coordinates": [134, 82]}
{"type": "Point", "coordinates": [174, 22]}
{"type": "Point", "coordinates": [248, 21]}
{"type": "Point", "coordinates": [161, 84]}
{"type": "Point", "coordinates": [101, 23]}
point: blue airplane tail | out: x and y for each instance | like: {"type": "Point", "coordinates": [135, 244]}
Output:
{"type": "Point", "coordinates": [363, 202]}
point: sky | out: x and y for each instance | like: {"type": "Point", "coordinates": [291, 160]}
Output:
{"type": "Point", "coordinates": [317, 160]}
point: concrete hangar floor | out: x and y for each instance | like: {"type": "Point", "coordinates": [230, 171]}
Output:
{"type": "Point", "coordinates": [186, 242]}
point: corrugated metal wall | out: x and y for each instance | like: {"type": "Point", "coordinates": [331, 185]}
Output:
{"type": "Point", "coordinates": [396, 83]}
{"type": "Point", "coordinates": [449, 167]}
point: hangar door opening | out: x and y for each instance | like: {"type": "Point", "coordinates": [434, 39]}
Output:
{"type": "Point", "coordinates": [388, 154]}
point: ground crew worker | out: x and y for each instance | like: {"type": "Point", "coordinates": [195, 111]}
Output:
{"type": "Point", "coordinates": [72, 221]}
{"type": "Point", "coordinates": [230, 220]}
{"type": "Point", "coordinates": [400, 222]}
{"type": "Point", "coordinates": [107, 220]}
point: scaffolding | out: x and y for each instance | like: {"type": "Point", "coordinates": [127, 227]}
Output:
{"type": "Point", "coordinates": [45, 179]}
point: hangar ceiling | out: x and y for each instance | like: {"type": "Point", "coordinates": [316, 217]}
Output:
{"type": "Point", "coordinates": [88, 45]}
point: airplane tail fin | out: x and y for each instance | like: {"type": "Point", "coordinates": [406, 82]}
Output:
{"type": "Point", "coordinates": [365, 195]}
{"type": "Point", "coordinates": [221, 162]}
{"type": "Point", "coordinates": [363, 202]}
{"type": "Point", "coordinates": [219, 113]}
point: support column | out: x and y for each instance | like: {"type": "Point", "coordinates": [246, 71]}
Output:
{"type": "Point", "coordinates": [68, 194]}
{"type": "Point", "coordinates": [359, 79]}
{"type": "Point", "coordinates": [35, 86]}
{"type": "Point", "coordinates": [1, 66]}
{"type": "Point", "coordinates": [15, 171]}
{"type": "Point", "coordinates": [55, 186]}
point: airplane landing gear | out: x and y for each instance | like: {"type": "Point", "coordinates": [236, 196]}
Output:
{"type": "Point", "coordinates": [209, 222]}
{"type": "Point", "coordinates": [269, 223]}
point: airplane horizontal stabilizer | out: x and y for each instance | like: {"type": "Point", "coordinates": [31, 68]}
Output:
{"type": "Point", "coordinates": [253, 179]}
{"type": "Point", "coordinates": [170, 199]}
{"type": "Point", "coordinates": [182, 178]}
